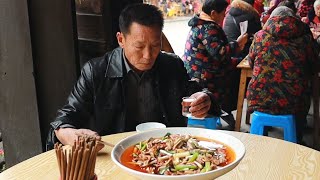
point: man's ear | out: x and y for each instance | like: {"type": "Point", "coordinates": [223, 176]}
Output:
{"type": "Point", "coordinates": [213, 13]}
{"type": "Point", "coordinates": [121, 39]}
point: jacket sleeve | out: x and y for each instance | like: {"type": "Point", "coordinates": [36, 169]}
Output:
{"type": "Point", "coordinates": [215, 108]}
{"type": "Point", "coordinates": [255, 48]}
{"type": "Point", "coordinates": [231, 28]}
{"type": "Point", "coordinates": [216, 46]}
{"type": "Point", "coordinates": [193, 86]}
{"type": "Point", "coordinates": [78, 108]}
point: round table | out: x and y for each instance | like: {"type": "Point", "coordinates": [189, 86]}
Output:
{"type": "Point", "coordinates": [265, 158]}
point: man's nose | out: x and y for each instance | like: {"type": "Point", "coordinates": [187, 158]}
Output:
{"type": "Point", "coordinates": [147, 53]}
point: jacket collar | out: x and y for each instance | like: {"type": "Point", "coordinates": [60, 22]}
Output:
{"type": "Point", "coordinates": [204, 16]}
{"type": "Point", "coordinates": [246, 7]}
{"type": "Point", "coordinates": [115, 64]}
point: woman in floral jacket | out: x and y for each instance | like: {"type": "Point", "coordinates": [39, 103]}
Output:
{"type": "Point", "coordinates": [207, 55]}
{"type": "Point", "coordinates": [282, 56]}
{"type": "Point", "coordinates": [304, 7]}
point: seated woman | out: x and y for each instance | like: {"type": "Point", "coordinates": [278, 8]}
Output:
{"type": "Point", "coordinates": [290, 4]}
{"type": "Point", "coordinates": [265, 15]}
{"type": "Point", "coordinates": [282, 56]}
{"type": "Point", "coordinates": [304, 6]}
{"type": "Point", "coordinates": [207, 55]}
{"type": "Point", "coordinates": [313, 20]}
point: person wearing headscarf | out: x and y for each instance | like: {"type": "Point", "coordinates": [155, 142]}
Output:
{"type": "Point", "coordinates": [240, 11]}
{"type": "Point", "coordinates": [265, 15]}
{"type": "Point", "coordinates": [304, 7]}
{"type": "Point", "coordinates": [282, 55]}
{"type": "Point", "coordinates": [313, 20]}
{"type": "Point", "coordinates": [290, 4]}
{"type": "Point", "coordinates": [207, 54]}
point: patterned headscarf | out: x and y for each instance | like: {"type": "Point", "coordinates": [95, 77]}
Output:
{"type": "Point", "coordinates": [282, 11]}
{"type": "Point", "coordinates": [276, 3]}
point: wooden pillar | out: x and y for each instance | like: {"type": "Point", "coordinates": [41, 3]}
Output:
{"type": "Point", "coordinates": [38, 68]}
{"type": "Point", "coordinates": [53, 45]}
{"type": "Point", "coordinates": [19, 122]}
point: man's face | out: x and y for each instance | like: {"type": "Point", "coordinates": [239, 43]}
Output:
{"type": "Point", "coordinates": [141, 46]}
{"type": "Point", "coordinates": [317, 10]}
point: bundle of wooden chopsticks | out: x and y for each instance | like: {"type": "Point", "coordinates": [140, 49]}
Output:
{"type": "Point", "coordinates": [78, 162]}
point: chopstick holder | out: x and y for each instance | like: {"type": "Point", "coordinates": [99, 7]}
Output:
{"type": "Point", "coordinates": [77, 162]}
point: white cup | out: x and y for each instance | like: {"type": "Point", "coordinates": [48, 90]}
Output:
{"type": "Point", "coordinates": [186, 102]}
{"type": "Point", "coordinates": [149, 126]}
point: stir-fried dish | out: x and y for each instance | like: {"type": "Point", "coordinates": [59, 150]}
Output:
{"type": "Point", "coordinates": [175, 154]}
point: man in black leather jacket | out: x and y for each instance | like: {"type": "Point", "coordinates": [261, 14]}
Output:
{"type": "Point", "coordinates": [134, 83]}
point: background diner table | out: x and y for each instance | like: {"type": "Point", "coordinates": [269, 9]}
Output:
{"type": "Point", "coordinates": [265, 158]}
{"type": "Point", "coordinates": [246, 72]}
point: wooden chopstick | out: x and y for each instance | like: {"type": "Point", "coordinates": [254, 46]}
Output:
{"type": "Point", "coordinates": [105, 143]}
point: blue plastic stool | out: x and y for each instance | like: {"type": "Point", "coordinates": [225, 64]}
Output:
{"type": "Point", "coordinates": [219, 122]}
{"type": "Point", "coordinates": [287, 122]}
{"type": "Point", "coordinates": [208, 122]}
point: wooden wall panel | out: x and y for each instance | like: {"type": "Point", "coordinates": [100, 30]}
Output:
{"type": "Point", "coordinates": [19, 122]}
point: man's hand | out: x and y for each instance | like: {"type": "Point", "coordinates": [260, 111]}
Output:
{"type": "Point", "coordinates": [200, 107]}
{"type": "Point", "coordinates": [69, 135]}
{"type": "Point", "coordinates": [242, 40]}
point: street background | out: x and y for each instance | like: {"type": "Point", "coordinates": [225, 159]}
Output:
{"type": "Point", "coordinates": [176, 30]}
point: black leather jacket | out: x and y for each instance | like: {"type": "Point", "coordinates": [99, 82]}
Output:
{"type": "Point", "coordinates": [97, 100]}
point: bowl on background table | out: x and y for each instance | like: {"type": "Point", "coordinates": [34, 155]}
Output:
{"type": "Point", "coordinates": [149, 126]}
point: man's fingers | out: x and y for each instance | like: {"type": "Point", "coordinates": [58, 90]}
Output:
{"type": "Point", "coordinates": [201, 112]}
{"type": "Point", "coordinates": [98, 137]}
{"type": "Point", "coordinates": [200, 103]}
{"type": "Point", "coordinates": [199, 100]}
{"type": "Point", "coordinates": [202, 106]}
{"type": "Point", "coordinates": [88, 132]}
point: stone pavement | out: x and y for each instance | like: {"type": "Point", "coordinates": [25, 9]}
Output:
{"type": "Point", "coordinates": [177, 18]}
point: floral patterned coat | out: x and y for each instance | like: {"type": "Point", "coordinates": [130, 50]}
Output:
{"type": "Point", "coordinates": [207, 57]}
{"type": "Point", "coordinates": [282, 56]}
{"type": "Point", "coordinates": [304, 7]}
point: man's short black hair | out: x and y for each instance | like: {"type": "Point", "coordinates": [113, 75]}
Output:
{"type": "Point", "coordinates": [144, 14]}
{"type": "Point", "coordinates": [216, 5]}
